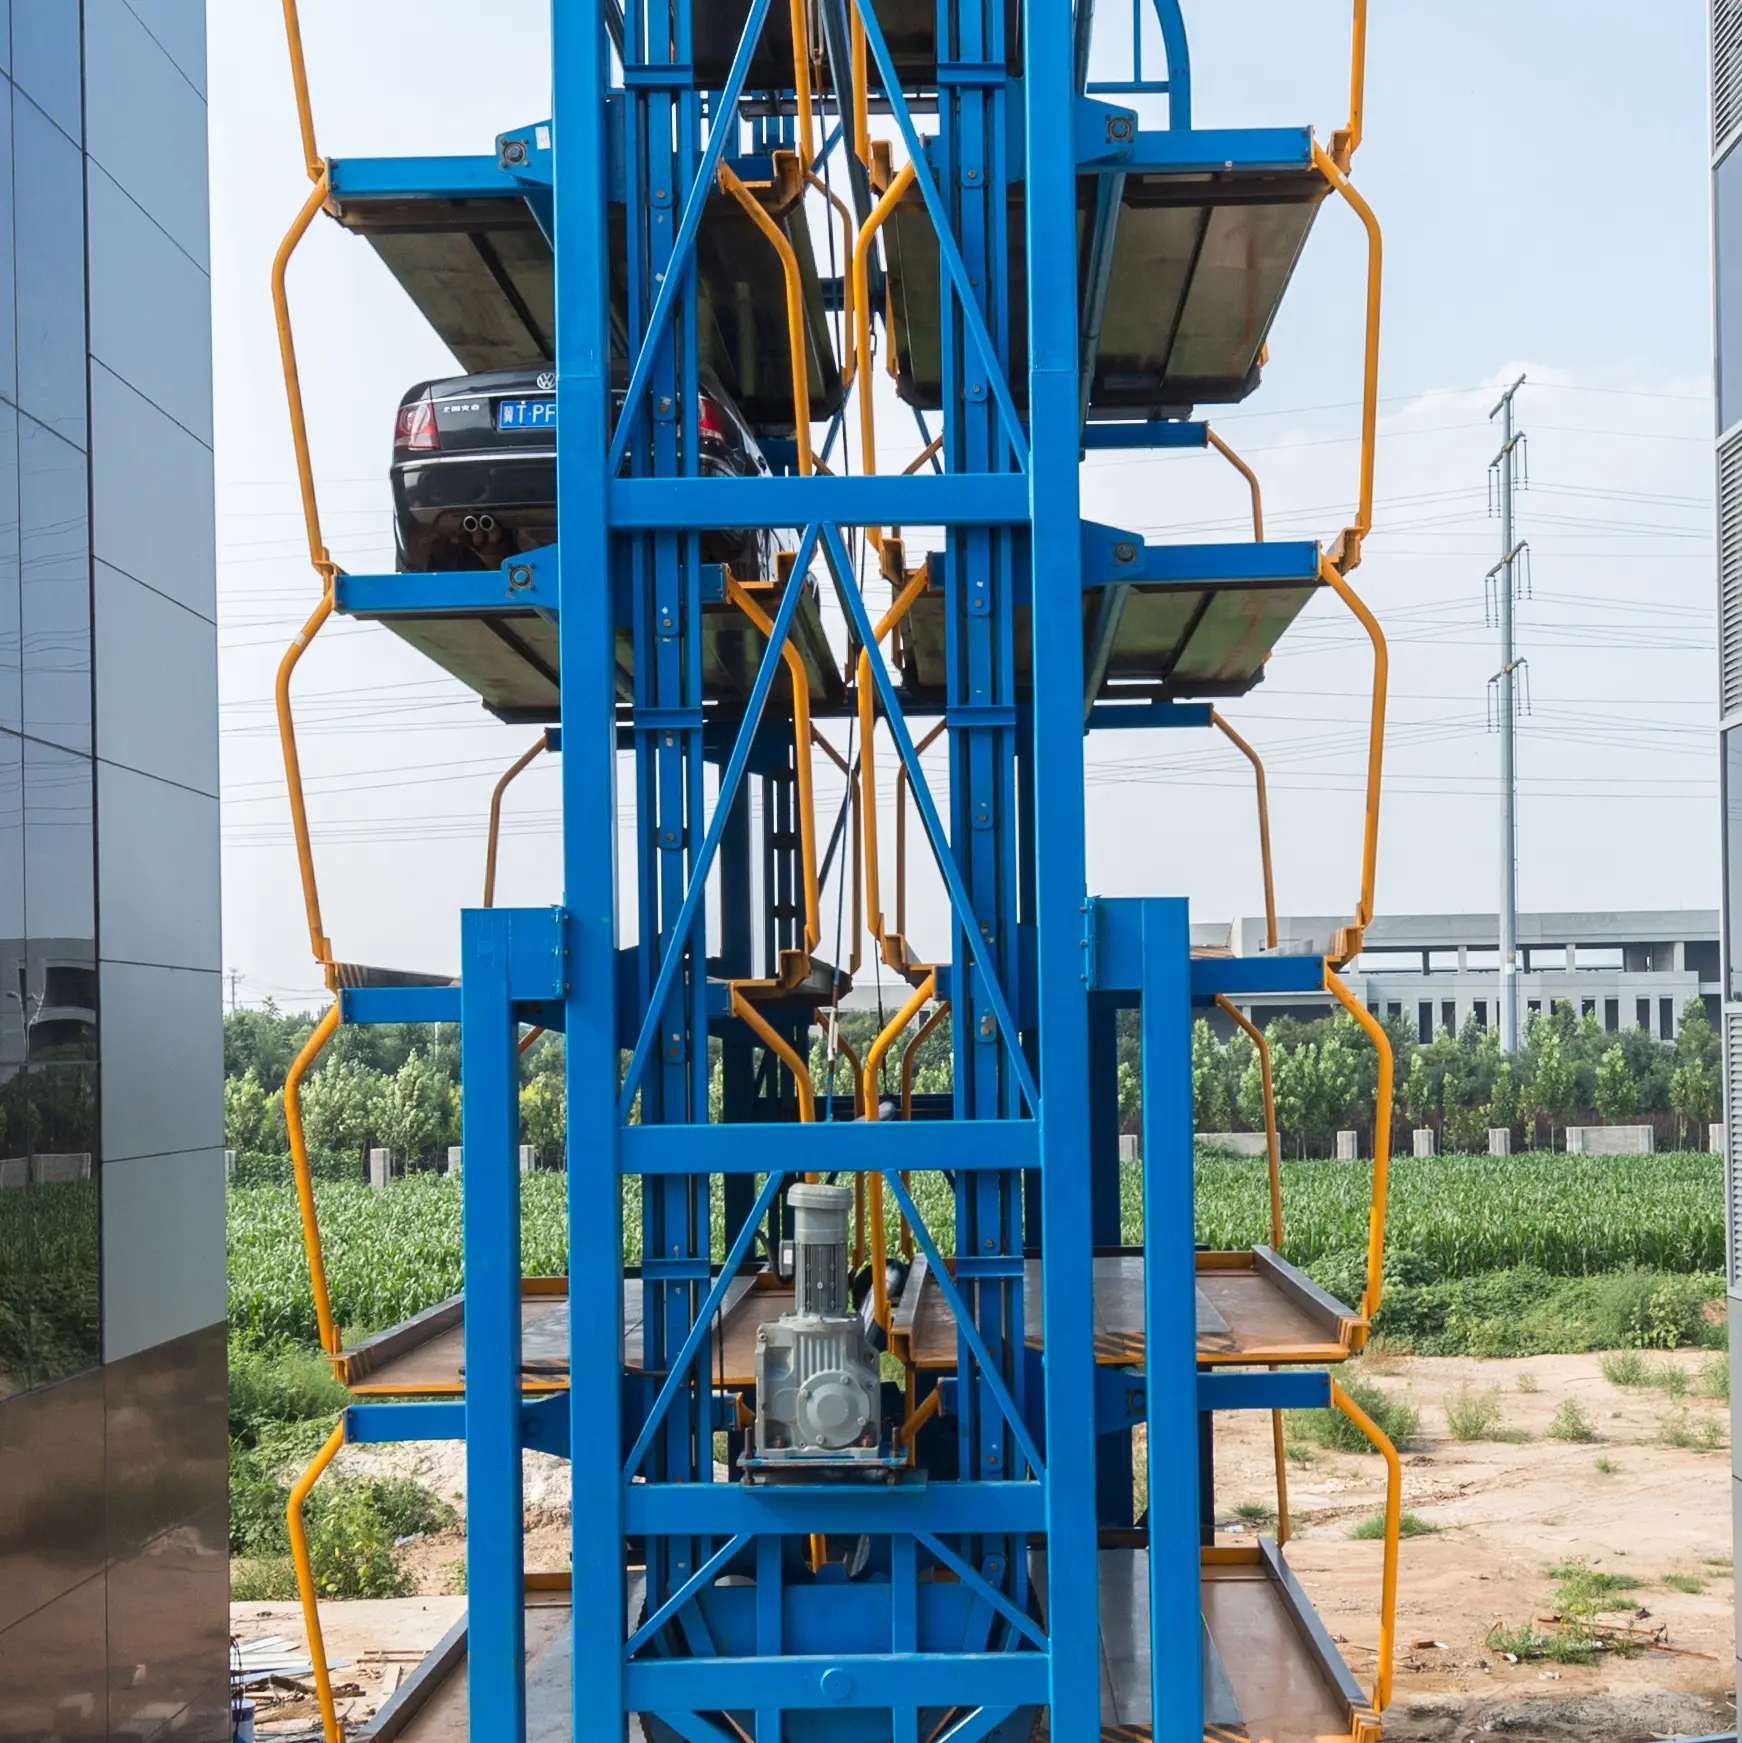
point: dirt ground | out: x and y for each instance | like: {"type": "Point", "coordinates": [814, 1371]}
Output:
{"type": "Point", "coordinates": [1506, 1511]}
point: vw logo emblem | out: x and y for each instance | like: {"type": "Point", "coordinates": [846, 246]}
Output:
{"type": "Point", "coordinates": [546, 380]}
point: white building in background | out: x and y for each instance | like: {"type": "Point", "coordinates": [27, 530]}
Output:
{"type": "Point", "coordinates": [1442, 971]}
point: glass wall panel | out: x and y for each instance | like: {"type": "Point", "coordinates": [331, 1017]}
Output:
{"type": "Point", "coordinates": [17, 1257]}
{"type": "Point", "coordinates": [60, 991]}
{"type": "Point", "coordinates": [55, 587]}
{"type": "Point", "coordinates": [46, 59]}
{"type": "Point", "coordinates": [48, 197]}
{"type": "Point", "coordinates": [65, 1320]}
{"type": "Point", "coordinates": [11, 620]}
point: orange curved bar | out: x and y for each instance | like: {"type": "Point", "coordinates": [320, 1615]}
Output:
{"type": "Point", "coordinates": [861, 58]}
{"type": "Point", "coordinates": [873, 1064]}
{"type": "Point", "coordinates": [1381, 1139]}
{"type": "Point", "coordinates": [911, 1049]}
{"type": "Point", "coordinates": [1245, 472]}
{"type": "Point", "coordinates": [861, 275]}
{"type": "Point", "coordinates": [1393, 1526]}
{"type": "Point", "coordinates": [916, 585]}
{"type": "Point", "coordinates": [801, 82]}
{"type": "Point", "coordinates": [902, 783]}
{"type": "Point", "coordinates": [305, 118]}
{"type": "Point", "coordinates": [528, 1038]}
{"type": "Point", "coordinates": [1346, 141]}
{"type": "Point", "coordinates": [1375, 750]}
{"type": "Point", "coordinates": [1253, 758]}
{"type": "Point", "coordinates": [1272, 1142]}
{"type": "Point", "coordinates": [909, 1430]}
{"type": "Point", "coordinates": [858, 1066]}
{"type": "Point", "coordinates": [842, 764]}
{"type": "Point", "coordinates": [849, 363]}
{"type": "Point", "coordinates": [299, 1168]}
{"type": "Point", "coordinates": [933, 447]}
{"type": "Point", "coordinates": [1279, 1458]}
{"type": "Point", "coordinates": [305, 1581]}
{"type": "Point", "coordinates": [323, 564]}
{"type": "Point", "coordinates": [305, 859]}
{"type": "Point", "coordinates": [784, 1049]}
{"type": "Point", "coordinates": [797, 339]}
{"type": "Point", "coordinates": [514, 768]}
{"type": "Point", "coordinates": [803, 738]}
{"type": "Point", "coordinates": [1347, 552]}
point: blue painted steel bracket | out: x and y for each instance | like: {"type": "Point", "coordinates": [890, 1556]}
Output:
{"type": "Point", "coordinates": [526, 583]}
{"type": "Point", "coordinates": [1117, 922]}
{"type": "Point", "coordinates": [710, 1509]}
{"type": "Point", "coordinates": [1213, 150]}
{"type": "Point", "coordinates": [1255, 1389]}
{"type": "Point", "coordinates": [1105, 134]}
{"type": "Point", "coordinates": [400, 1004]}
{"type": "Point", "coordinates": [757, 1148]}
{"type": "Point", "coordinates": [1145, 715]}
{"type": "Point", "coordinates": [421, 178]}
{"type": "Point", "coordinates": [544, 1422]}
{"type": "Point", "coordinates": [1152, 433]}
{"type": "Point", "coordinates": [1113, 557]}
{"type": "Point", "coordinates": [922, 499]}
{"type": "Point", "coordinates": [1238, 977]}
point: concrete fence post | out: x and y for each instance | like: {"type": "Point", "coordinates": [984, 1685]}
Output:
{"type": "Point", "coordinates": [380, 1169]}
{"type": "Point", "coordinates": [1499, 1140]}
{"type": "Point", "coordinates": [453, 1166]}
{"type": "Point", "coordinates": [1424, 1140]}
{"type": "Point", "coordinates": [528, 1158]}
{"type": "Point", "coordinates": [1348, 1147]}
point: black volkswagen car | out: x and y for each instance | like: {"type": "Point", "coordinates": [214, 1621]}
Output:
{"type": "Point", "coordinates": [474, 472]}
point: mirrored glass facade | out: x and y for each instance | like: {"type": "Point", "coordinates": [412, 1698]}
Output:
{"type": "Point", "coordinates": [113, 1567]}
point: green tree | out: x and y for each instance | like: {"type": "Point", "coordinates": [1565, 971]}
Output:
{"type": "Point", "coordinates": [1551, 1089]}
{"type": "Point", "coordinates": [1295, 1080]}
{"type": "Point", "coordinates": [412, 1113]}
{"type": "Point", "coordinates": [1339, 1076]}
{"type": "Point", "coordinates": [1211, 1109]}
{"type": "Point", "coordinates": [1421, 1091]}
{"type": "Point", "coordinates": [339, 1108]}
{"type": "Point", "coordinates": [246, 1114]}
{"type": "Point", "coordinates": [544, 1117]}
{"type": "Point", "coordinates": [1249, 1099]}
{"type": "Point", "coordinates": [1696, 1084]}
{"type": "Point", "coordinates": [1616, 1095]}
{"type": "Point", "coordinates": [1505, 1104]}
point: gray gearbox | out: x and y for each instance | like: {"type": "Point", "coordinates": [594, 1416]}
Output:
{"type": "Point", "coordinates": [818, 1389]}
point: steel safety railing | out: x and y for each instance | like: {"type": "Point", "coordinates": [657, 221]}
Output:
{"type": "Point", "coordinates": [515, 769]}
{"type": "Point", "coordinates": [1382, 1676]}
{"type": "Point", "coordinates": [307, 1591]}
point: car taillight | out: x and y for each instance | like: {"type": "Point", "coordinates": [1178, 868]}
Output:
{"type": "Point", "coordinates": [416, 428]}
{"type": "Point", "coordinates": [710, 420]}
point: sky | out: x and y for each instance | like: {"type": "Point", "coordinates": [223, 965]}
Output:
{"type": "Point", "coordinates": [1542, 175]}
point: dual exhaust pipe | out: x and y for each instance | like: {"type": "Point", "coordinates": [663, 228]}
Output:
{"type": "Point", "coordinates": [479, 523]}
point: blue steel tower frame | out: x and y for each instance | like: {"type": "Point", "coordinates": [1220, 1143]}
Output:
{"type": "Point", "coordinates": [698, 1602]}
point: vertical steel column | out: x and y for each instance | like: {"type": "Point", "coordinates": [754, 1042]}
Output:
{"type": "Point", "coordinates": [495, 1530]}
{"type": "Point", "coordinates": [1113, 1470]}
{"type": "Point", "coordinates": [580, 67]}
{"type": "Point", "coordinates": [1073, 1607]}
{"type": "Point", "coordinates": [1170, 1323]}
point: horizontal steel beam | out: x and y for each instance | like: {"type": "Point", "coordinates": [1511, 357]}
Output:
{"type": "Point", "coordinates": [924, 499]}
{"type": "Point", "coordinates": [704, 1509]}
{"type": "Point", "coordinates": [1153, 433]}
{"type": "Point", "coordinates": [914, 1679]}
{"type": "Point", "coordinates": [834, 1147]}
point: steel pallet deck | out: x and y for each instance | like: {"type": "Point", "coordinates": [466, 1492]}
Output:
{"type": "Point", "coordinates": [1271, 1671]}
{"type": "Point", "coordinates": [1252, 1309]}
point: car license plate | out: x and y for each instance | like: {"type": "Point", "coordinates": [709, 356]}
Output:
{"type": "Point", "coordinates": [526, 414]}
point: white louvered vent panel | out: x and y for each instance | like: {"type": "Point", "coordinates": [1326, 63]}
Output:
{"type": "Point", "coordinates": [1726, 69]}
{"type": "Point", "coordinates": [1733, 1141]}
{"type": "Point", "coordinates": [1730, 574]}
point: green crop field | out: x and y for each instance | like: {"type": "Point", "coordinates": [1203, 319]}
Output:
{"type": "Point", "coordinates": [390, 1254]}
